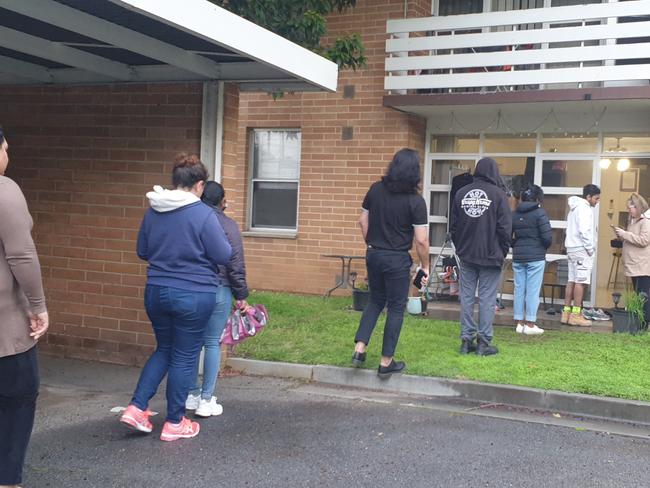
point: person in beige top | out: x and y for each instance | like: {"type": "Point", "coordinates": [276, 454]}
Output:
{"type": "Point", "coordinates": [23, 320]}
{"type": "Point", "coordinates": [636, 246]}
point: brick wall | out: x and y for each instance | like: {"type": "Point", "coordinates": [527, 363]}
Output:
{"type": "Point", "coordinates": [84, 158]}
{"type": "Point", "coordinates": [335, 174]}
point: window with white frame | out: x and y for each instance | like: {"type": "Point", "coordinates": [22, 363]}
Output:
{"type": "Point", "coordinates": [275, 179]}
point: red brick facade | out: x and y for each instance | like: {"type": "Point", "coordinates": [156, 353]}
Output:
{"type": "Point", "coordinates": [85, 156]}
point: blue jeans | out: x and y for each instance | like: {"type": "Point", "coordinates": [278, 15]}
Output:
{"type": "Point", "coordinates": [179, 319]}
{"type": "Point", "coordinates": [528, 281]}
{"type": "Point", "coordinates": [212, 358]}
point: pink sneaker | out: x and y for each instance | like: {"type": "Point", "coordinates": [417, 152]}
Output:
{"type": "Point", "coordinates": [184, 430]}
{"type": "Point", "coordinates": [136, 419]}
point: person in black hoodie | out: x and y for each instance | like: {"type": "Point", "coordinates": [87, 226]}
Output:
{"type": "Point", "coordinates": [481, 228]}
{"type": "Point", "coordinates": [531, 238]}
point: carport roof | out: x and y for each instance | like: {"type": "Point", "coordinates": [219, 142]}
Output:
{"type": "Point", "coordinates": [108, 41]}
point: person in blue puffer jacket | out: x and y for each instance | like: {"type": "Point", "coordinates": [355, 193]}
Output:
{"type": "Point", "coordinates": [234, 285]}
{"type": "Point", "coordinates": [532, 236]}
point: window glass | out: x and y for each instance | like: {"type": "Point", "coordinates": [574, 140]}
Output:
{"type": "Point", "coordinates": [556, 206]}
{"type": "Point", "coordinates": [557, 245]}
{"type": "Point", "coordinates": [442, 171]}
{"type": "Point", "coordinates": [508, 144]}
{"type": "Point", "coordinates": [438, 203]}
{"type": "Point", "coordinates": [566, 173]}
{"type": "Point", "coordinates": [571, 143]}
{"type": "Point", "coordinates": [437, 233]}
{"type": "Point", "coordinates": [635, 143]}
{"type": "Point", "coordinates": [274, 204]}
{"type": "Point", "coordinates": [276, 154]}
{"type": "Point", "coordinates": [516, 172]}
{"type": "Point", "coordinates": [275, 178]}
{"type": "Point", "coordinates": [455, 144]}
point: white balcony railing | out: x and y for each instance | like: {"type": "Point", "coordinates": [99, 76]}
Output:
{"type": "Point", "coordinates": [587, 45]}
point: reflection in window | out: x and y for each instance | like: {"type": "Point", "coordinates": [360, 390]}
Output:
{"type": "Point", "coordinates": [557, 246]}
{"type": "Point", "coordinates": [437, 233]}
{"type": "Point", "coordinates": [556, 206]}
{"type": "Point", "coordinates": [516, 173]}
{"type": "Point", "coordinates": [442, 172]}
{"type": "Point", "coordinates": [571, 143]}
{"type": "Point", "coordinates": [438, 203]}
{"type": "Point", "coordinates": [566, 173]}
{"type": "Point", "coordinates": [455, 144]}
{"type": "Point", "coordinates": [508, 144]}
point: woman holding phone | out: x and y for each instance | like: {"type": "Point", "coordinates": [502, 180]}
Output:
{"type": "Point", "coordinates": [636, 246]}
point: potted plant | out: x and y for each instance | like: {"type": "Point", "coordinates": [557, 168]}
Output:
{"type": "Point", "coordinates": [360, 293]}
{"type": "Point", "coordinates": [631, 319]}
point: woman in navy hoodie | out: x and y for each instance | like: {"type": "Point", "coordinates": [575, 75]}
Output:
{"type": "Point", "coordinates": [183, 242]}
{"type": "Point", "coordinates": [532, 236]}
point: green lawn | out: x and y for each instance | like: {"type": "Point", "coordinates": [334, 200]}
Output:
{"type": "Point", "coordinates": [313, 330]}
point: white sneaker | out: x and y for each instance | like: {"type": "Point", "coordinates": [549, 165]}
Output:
{"type": "Point", "coordinates": [520, 328]}
{"type": "Point", "coordinates": [192, 402]}
{"type": "Point", "coordinates": [533, 330]}
{"type": "Point", "coordinates": [209, 408]}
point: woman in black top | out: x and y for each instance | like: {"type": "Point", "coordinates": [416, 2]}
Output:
{"type": "Point", "coordinates": [532, 236]}
{"type": "Point", "coordinates": [393, 214]}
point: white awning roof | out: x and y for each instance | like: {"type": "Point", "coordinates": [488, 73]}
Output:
{"type": "Point", "coordinates": [108, 41]}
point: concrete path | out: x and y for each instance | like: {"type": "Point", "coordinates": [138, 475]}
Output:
{"type": "Point", "coordinates": [286, 433]}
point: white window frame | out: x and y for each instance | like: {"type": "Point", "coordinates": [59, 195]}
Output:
{"type": "Point", "coordinates": [270, 231]}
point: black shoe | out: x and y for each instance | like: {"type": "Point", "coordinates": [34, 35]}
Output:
{"type": "Point", "coordinates": [467, 346]}
{"type": "Point", "coordinates": [485, 348]}
{"type": "Point", "coordinates": [393, 367]}
{"type": "Point", "coordinates": [358, 358]}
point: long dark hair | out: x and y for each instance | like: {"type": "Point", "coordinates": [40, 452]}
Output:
{"type": "Point", "coordinates": [403, 172]}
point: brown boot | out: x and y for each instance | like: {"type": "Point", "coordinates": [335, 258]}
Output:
{"type": "Point", "coordinates": [579, 320]}
{"type": "Point", "coordinates": [564, 318]}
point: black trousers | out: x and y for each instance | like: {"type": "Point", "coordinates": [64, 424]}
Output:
{"type": "Point", "coordinates": [642, 284]}
{"type": "Point", "coordinates": [388, 280]}
{"type": "Point", "coordinates": [19, 382]}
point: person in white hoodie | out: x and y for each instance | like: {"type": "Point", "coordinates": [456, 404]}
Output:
{"type": "Point", "coordinates": [580, 244]}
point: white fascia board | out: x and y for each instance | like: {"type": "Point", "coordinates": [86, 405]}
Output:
{"type": "Point", "coordinates": [90, 26]}
{"type": "Point", "coordinates": [60, 53]}
{"type": "Point", "coordinates": [217, 25]}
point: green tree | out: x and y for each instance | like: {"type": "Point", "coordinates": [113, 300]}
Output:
{"type": "Point", "coordinates": [303, 22]}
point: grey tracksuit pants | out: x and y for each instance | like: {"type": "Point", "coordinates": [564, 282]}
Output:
{"type": "Point", "coordinates": [487, 279]}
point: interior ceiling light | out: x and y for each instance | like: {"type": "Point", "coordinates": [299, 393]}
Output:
{"type": "Point", "coordinates": [617, 148]}
{"type": "Point", "coordinates": [605, 163]}
{"type": "Point", "coordinates": [623, 164]}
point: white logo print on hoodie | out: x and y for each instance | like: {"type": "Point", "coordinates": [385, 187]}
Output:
{"type": "Point", "coordinates": [162, 200]}
{"type": "Point", "coordinates": [580, 226]}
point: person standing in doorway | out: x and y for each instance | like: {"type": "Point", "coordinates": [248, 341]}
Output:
{"type": "Point", "coordinates": [183, 243]}
{"type": "Point", "coordinates": [23, 321]}
{"type": "Point", "coordinates": [532, 236]}
{"type": "Point", "coordinates": [481, 231]}
{"type": "Point", "coordinates": [580, 243]}
{"type": "Point", "coordinates": [636, 247]}
{"type": "Point", "coordinates": [233, 284]}
{"type": "Point", "coordinates": [393, 215]}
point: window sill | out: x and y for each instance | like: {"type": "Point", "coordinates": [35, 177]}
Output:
{"type": "Point", "coordinates": [270, 234]}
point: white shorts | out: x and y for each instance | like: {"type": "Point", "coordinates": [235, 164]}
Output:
{"type": "Point", "coordinates": [580, 264]}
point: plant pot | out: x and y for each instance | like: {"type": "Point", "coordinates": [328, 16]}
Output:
{"type": "Point", "coordinates": [624, 322]}
{"type": "Point", "coordinates": [360, 299]}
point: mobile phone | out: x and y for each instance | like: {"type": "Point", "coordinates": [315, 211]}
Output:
{"type": "Point", "coordinates": [417, 281]}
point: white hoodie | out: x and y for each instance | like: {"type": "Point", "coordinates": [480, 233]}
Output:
{"type": "Point", "coordinates": [580, 226]}
{"type": "Point", "coordinates": [162, 200]}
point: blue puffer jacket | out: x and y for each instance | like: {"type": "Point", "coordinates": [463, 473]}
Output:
{"type": "Point", "coordinates": [531, 232]}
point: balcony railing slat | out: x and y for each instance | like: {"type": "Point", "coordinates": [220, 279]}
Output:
{"type": "Point", "coordinates": [514, 38]}
{"type": "Point", "coordinates": [521, 57]}
{"type": "Point", "coordinates": [528, 16]}
{"type": "Point", "coordinates": [512, 78]}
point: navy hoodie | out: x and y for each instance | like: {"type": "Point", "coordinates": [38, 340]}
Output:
{"type": "Point", "coordinates": [481, 220]}
{"type": "Point", "coordinates": [183, 242]}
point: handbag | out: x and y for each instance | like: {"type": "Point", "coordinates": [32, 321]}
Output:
{"type": "Point", "coordinates": [241, 325]}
